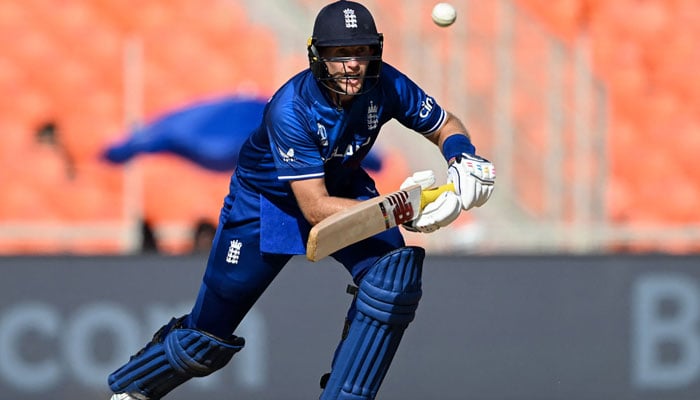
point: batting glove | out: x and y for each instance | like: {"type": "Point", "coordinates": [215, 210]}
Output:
{"type": "Point", "coordinates": [473, 177]}
{"type": "Point", "coordinates": [436, 214]}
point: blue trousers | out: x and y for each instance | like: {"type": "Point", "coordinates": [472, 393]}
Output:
{"type": "Point", "coordinates": [238, 272]}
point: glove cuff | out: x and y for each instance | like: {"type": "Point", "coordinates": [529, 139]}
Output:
{"type": "Point", "coordinates": [455, 145]}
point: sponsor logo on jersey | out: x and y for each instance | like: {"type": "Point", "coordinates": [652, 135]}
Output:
{"type": "Point", "coordinates": [426, 107]}
{"type": "Point", "coordinates": [372, 117]}
{"type": "Point", "coordinates": [350, 149]}
{"type": "Point", "coordinates": [234, 252]}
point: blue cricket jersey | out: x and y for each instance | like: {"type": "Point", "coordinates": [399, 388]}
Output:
{"type": "Point", "coordinates": [303, 135]}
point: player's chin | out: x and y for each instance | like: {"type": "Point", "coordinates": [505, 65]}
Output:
{"type": "Point", "coordinates": [351, 85]}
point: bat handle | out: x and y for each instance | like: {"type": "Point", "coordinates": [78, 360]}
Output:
{"type": "Point", "coordinates": [429, 195]}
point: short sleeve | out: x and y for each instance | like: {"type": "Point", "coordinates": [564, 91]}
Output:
{"type": "Point", "coordinates": [294, 150]}
{"type": "Point", "coordinates": [415, 109]}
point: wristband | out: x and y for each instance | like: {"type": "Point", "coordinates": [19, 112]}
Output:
{"type": "Point", "coordinates": [455, 145]}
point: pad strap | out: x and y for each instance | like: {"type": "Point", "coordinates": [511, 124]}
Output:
{"type": "Point", "coordinates": [386, 303]}
{"type": "Point", "coordinates": [173, 356]}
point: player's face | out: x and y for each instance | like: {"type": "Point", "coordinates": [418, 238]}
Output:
{"type": "Point", "coordinates": [349, 71]}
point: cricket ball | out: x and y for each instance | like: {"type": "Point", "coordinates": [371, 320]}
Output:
{"type": "Point", "coordinates": [444, 14]}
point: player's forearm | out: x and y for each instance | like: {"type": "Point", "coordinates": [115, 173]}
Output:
{"type": "Point", "coordinates": [321, 208]}
{"type": "Point", "coordinates": [453, 139]}
{"type": "Point", "coordinates": [315, 202]}
{"type": "Point", "coordinates": [452, 126]}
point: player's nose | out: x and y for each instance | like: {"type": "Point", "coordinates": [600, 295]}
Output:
{"type": "Point", "coordinates": [352, 63]}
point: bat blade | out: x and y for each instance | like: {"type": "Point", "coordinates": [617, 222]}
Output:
{"type": "Point", "coordinates": [367, 219]}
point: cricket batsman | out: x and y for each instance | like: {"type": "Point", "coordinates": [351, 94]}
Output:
{"type": "Point", "coordinates": [299, 166]}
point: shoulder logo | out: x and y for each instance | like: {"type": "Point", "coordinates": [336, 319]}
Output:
{"type": "Point", "coordinates": [372, 116]}
{"type": "Point", "coordinates": [322, 135]}
{"type": "Point", "coordinates": [350, 18]}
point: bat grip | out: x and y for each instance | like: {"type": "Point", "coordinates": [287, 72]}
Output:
{"type": "Point", "coordinates": [429, 195]}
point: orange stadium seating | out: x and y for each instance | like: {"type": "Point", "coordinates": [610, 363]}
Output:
{"type": "Point", "coordinates": [66, 64]}
{"type": "Point", "coordinates": [646, 52]}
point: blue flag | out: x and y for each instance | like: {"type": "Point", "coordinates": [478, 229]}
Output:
{"type": "Point", "coordinates": [208, 133]}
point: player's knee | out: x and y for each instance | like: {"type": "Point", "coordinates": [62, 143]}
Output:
{"type": "Point", "coordinates": [392, 288]}
{"type": "Point", "coordinates": [386, 303]}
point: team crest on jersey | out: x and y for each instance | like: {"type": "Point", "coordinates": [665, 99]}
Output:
{"type": "Point", "coordinates": [350, 18]}
{"type": "Point", "coordinates": [323, 135]}
{"type": "Point", "coordinates": [372, 116]}
{"type": "Point", "coordinates": [287, 156]}
{"type": "Point", "coordinates": [234, 251]}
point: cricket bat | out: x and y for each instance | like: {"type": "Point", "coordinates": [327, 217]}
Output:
{"type": "Point", "coordinates": [369, 218]}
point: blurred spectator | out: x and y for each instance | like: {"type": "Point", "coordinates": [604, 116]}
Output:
{"type": "Point", "coordinates": [48, 134]}
{"type": "Point", "coordinates": [149, 244]}
{"type": "Point", "coordinates": [203, 236]}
